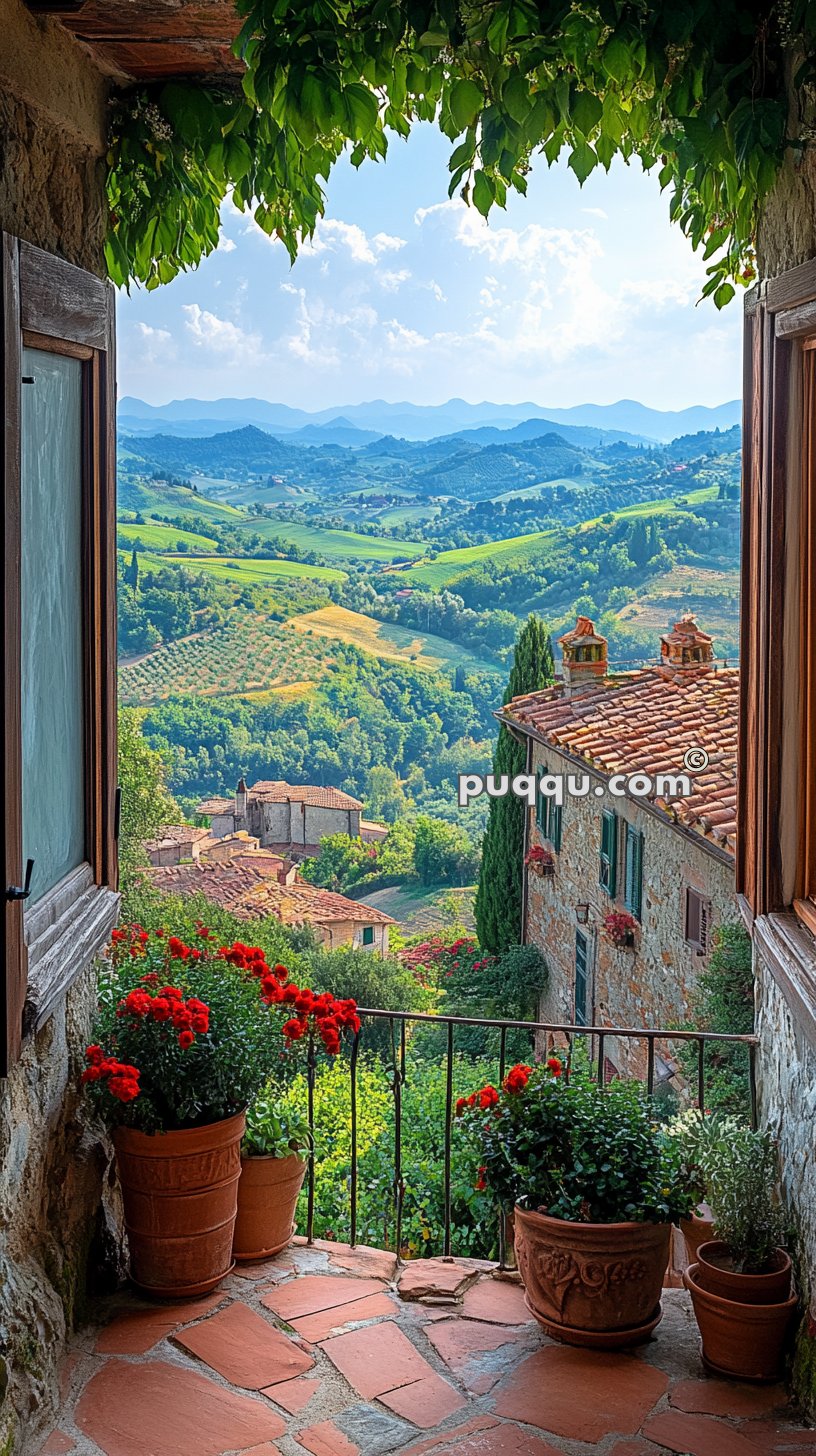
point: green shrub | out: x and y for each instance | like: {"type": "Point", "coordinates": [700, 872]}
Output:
{"type": "Point", "coordinates": [741, 1182]}
{"type": "Point", "coordinates": [724, 1002]}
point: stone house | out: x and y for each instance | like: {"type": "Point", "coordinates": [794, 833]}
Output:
{"type": "Point", "coordinates": [249, 891]}
{"type": "Point", "coordinates": [290, 818]}
{"type": "Point", "coordinates": [177, 842]}
{"type": "Point", "coordinates": [666, 862]}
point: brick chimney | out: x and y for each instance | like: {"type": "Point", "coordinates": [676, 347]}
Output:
{"type": "Point", "coordinates": [685, 647]}
{"type": "Point", "coordinates": [584, 657]}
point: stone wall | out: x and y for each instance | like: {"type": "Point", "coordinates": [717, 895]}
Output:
{"type": "Point", "coordinates": [54, 1184]}
{"type": "Point", "coordinates": [52, 139]}
{"type": "Point", "coordinates": [785, 997]}
{"type": "Point", "coordinates": [60, 1226]}
{"type": "Point", "coordinates": [648, 986]}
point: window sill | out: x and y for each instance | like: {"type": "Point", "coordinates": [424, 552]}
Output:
{"type": "Point", "coordinates": [789, 951]}
{"type": "Point", "coordinates": [63, 932]}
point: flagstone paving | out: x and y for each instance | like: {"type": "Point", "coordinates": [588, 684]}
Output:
{"type": "Point", "coordinates": [338, 1352]}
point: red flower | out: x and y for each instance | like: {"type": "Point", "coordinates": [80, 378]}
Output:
{"type": "Point", "coordinates": [160, 1010]}
{"type": "Point", "coordinates": [488, 1097]}
{"type": "Point", "coordinates": [481, 1181]}
{"type": "Point", "coordinates": [186, 1039]}
{"type": "Point", "coordinates": [293, 1030]}
{"type": "Point", "coordinates": [517, 1078]}
{"type": "Point", "coordinates": [201, 1023]}
{"type": "Point", "coordinates": [555, 1065]}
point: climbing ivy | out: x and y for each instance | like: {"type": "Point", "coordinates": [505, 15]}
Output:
{"type": "Point", "coordinates": [695, 88]}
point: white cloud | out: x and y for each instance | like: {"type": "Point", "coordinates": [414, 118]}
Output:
{"type": "Point", "coordinates": [155, 346]}
{"type": "Point", "coordinates": [220, 336]}
{"type": "Point", "coordinates": [596, 212]}
{"type": "Point", "coordinates": [226, 245]}
{"type": "Point", "coordinates": [399, 336]}
{"type": "Point", "coordinates": [333, 235]}
{"type": "Point", "coordinates": [392, 279]}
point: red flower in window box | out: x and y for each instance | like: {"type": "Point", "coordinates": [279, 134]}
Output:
{"type": "Point", "coordinates": [619, 928]}
{"type": "Point", "coordinates": [540, 861]}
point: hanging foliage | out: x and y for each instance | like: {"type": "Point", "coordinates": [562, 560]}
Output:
{"type": "Point", "coordinates": [695, 90]}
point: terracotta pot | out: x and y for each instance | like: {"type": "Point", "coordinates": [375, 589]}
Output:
{"type": "Point", "coordinates": [697, 1230]}
{"type": "Point", "coordinates": [717, 1277]}
{"type": "Point", "coordinates": [267, 1198]}
{"type": "Point", "coordinates": [592, 1284]}
{"type": "Point", "coordinates": [746, 1341]}
{"type": "Point", "coordinates": [180, 1192]}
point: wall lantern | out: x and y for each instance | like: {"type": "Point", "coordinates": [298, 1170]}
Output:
{"type": "Point", "coordinates": [582, 914]}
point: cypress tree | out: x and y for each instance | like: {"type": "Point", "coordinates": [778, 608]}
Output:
{"type": "Point", "coordinates": [132, 571]}
{"type": "Point", "coordinates": [498, 898]}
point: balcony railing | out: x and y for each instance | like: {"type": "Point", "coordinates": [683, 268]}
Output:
{"type": "Point", "coordinates": [595, 1040]}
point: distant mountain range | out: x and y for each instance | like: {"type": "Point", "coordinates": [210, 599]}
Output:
{"type": "Point", "coordinates": [486, 423]}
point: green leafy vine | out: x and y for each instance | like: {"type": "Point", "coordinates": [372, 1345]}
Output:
{"type": "Point", "coordinates": [696, 90]}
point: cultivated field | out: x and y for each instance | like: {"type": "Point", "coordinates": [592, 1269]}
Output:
{"type": "Point", "coordinates": [249, 655]}
{"type": "Point", "coordinates": [387, 640]}
{"type": "Point", "coordinates": [258, 571]}
{"type": "Point", "coordinates": [163, 538]}
{"type": "Point", "coordinates": [337, 545]}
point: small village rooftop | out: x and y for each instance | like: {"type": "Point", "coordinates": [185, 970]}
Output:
{"type": "Point", "coordinates": [647, 721]}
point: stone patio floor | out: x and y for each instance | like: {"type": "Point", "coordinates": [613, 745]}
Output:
{"type": "Point", "coordinates": [337, 1352]}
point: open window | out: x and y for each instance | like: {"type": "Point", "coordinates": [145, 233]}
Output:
{"type": "Point", "coordinates": [697, 920]}
{"type": "Point", "coordinates": [776, 845]}
{"type": "Point", "coordinates": [59, 630]}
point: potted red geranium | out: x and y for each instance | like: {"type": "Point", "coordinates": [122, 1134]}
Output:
{"type": "Point", "coordinates": [594, 1185]}
{"type": "Point", "coordinates": [619, 928]}
{"type": "Point", "coordinates": [540, 861]}
{"type": "Point", "coordinates": [186, 1038]}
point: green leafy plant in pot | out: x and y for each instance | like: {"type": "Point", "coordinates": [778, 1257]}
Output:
{"type": "Point", "coordinates": [274, 1158]}
{"type": "Point", "coordinates": [741, 1283]}
{"type": "Point", "coordinates": [594, 1184]}
{"type": "Point", "coordinates": [701, 1138]}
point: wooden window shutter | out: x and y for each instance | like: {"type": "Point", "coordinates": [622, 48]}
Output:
{"type": "Point", "coordinates": [694, 907]}
{"type": "Point", "coordinates": [556, 816]}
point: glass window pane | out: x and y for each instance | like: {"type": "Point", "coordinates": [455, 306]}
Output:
{"type": "Point", "coordinates": [51, 618]}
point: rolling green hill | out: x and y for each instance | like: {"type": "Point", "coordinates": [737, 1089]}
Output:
{"type": "Point", "coordinates": [338, 545]}
{"type": "Point", "coordinates": [162, 538]}
{"type": "Point", "coordinates": [386, 639]}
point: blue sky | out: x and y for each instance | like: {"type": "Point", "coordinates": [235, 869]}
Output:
{"type": "Point", "coordinates": [571, 295]}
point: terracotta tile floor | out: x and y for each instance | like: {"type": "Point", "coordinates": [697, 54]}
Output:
{"type": "Point", "coordinates": [320, 1351]}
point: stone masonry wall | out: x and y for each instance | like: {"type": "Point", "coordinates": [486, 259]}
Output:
{"type": "Point", "coordinates": [52, 139]}
{"type": "Point", "coordinates": [53, 1166]}
{"type": "Point", "coordinates": [786, 1077]}
{"type": "Point", "coordinates": [648, 986]}
{"type": "Point", "coordinates": [59, 1217]}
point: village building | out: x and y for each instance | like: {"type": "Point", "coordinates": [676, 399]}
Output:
{"type": "Point", "coordinates": [249, 892]}
{"type": "Point", "coordinates": [177, 842]}
{"type": "Point", "coordinates": [289, 818]}
{"type": "Point", "coordinates": [662, 862]}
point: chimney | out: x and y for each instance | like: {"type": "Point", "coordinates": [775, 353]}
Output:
{"type": "Point", "coordinates": [241, 799]}
{"type": "Point", "coordinates": [685, 647]}
{"type": "Point", "coordinates": [584, 658]}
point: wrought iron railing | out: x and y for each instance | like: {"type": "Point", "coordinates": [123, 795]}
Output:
{"type": "Point", "coordinates": [595, 1038]}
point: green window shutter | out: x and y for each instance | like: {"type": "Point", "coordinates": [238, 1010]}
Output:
{"type": "Point", "coordinates": [368, 935]}
{"type": "Point", "coordinates": [555, 826]}
{"type": "Point", "coordinates": [633, 873]}
{"type": "Point", "coordinates": [609, 851]}
{"type": "Point", "coordinates": [541, 810]}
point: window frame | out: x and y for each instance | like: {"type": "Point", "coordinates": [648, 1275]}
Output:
{"type": "Point", "coordinates": [549, 818]}
{"type": "Point", "coordinates": [776, 835]}
{"type": "Point", "coordinates": [700, 942]}
{"type": "Point", "coordinates": [368, 931]}
{"type": "Point", "coordinates": [53, 306]}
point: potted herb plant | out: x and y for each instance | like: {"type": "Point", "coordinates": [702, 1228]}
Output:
{"type": "Point", "coordinates": [594, 1184]}
{"type": "Point", "coordinates": [702, 1137]}
{"type": "Point", "coordinates": [741, 1284]}
{"type": "Point", "coordinates": [185, 1039]}
{"type": "Point", "coordinates": [274, 1158]}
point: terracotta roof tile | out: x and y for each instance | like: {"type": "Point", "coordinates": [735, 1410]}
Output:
{"type": "Point", "coordinates": [277, 791]}
{"type": "Point", "coordinates": [216, 805]}
{"type": "Point", "coordinates": [643, 722]}
{"type": "Point", "coordinates": [177, 834]}
{"type": "Point", "coordinates": [250, 891]}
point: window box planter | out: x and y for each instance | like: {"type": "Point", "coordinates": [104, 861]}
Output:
{"type": "Point", "coordinates": [540, 862]}
{"type": "Point", "coordinates": [620, 929]}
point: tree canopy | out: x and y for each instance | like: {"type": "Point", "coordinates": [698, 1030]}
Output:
{"type": "Point", "coordinates": [695, 88]}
